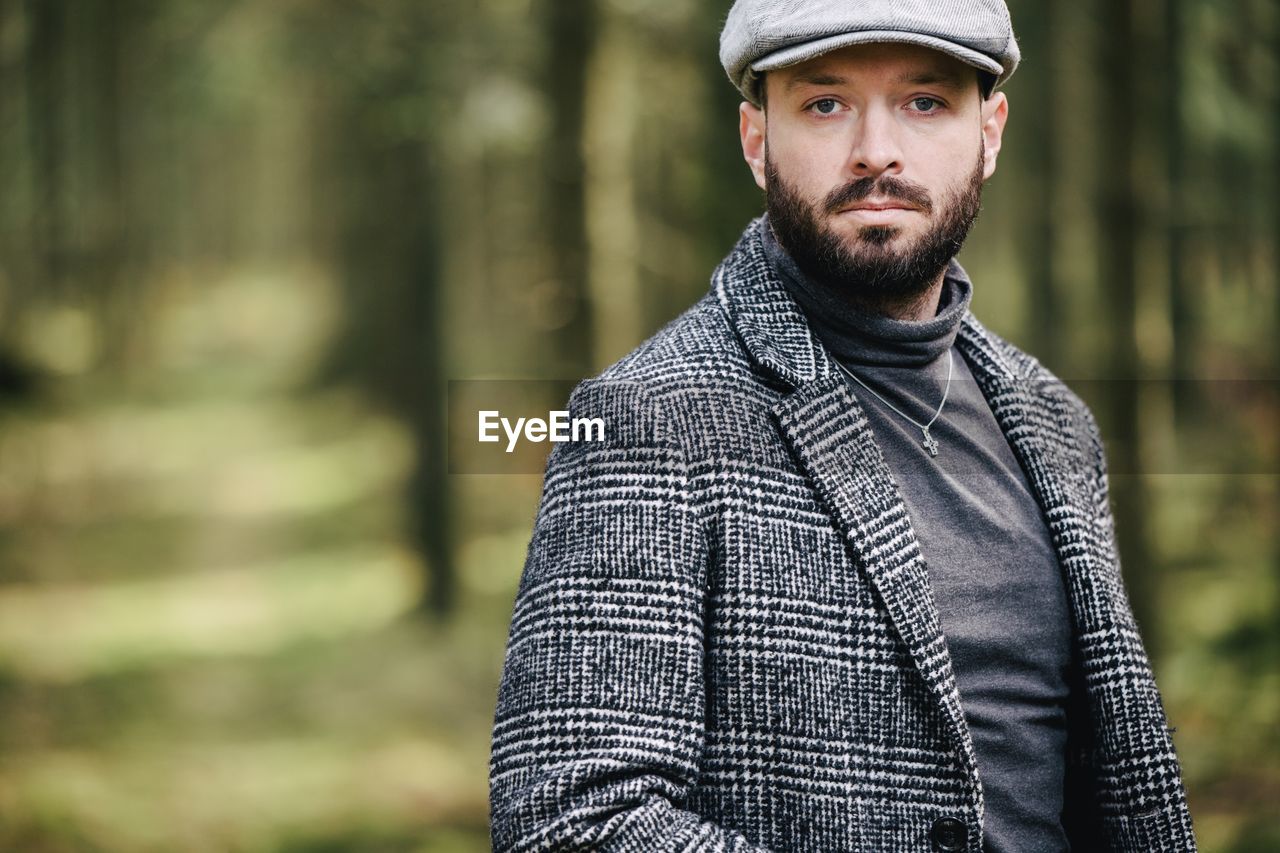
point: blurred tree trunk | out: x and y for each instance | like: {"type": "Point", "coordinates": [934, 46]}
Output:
{"type": "Point", "coordinates": [570, 31]}
{"type": "Point", "coordinates": [105, 32]}
{"type": "Point", "coordinates": [1183, 318]}
{"type": "Point", "coordinates": [391, 273]}
{"type": "Point", "coordinates": [1120, 90]}
{"type": "Point", "coordinates": [1274, 372]}
{"type": "Point", "coordinates": [1042, 162]}
{"type": "Point", "coordinates": [1275, 198]}
{"type": "Point", "coordinates": [14, 174]}
{"type": "Point", "coordinates": [72, 244]}
{"type": "Point", "coordinates": [382, 151]}
{"type": "Point", "coordinates": [612, 225]}
{"type": "Point", "coordinates": [422, 387]}
{"type": "Point", "coordinates": [46, 90]}
{"type": "Point", "coordinates": [17, 379]}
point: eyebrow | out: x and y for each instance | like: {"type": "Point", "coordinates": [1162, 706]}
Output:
{"type": "Point", "coordinates": [933, 78]}
{"type": "Point", "coordinates": [815, 79]}
{"type": "Point", "coordinates": [918, 78]}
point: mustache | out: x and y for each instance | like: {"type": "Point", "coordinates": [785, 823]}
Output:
{"type": "Point", "coordinates": [886, 186]}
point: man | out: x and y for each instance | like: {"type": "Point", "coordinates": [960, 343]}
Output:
{"type": "Point", "coordinates": [843, 575]}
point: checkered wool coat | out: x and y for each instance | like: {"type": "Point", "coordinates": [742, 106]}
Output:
{"type": "Point", "coordinates": [724, 636]}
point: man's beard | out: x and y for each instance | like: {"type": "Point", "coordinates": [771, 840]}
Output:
{"type": "Point", "coordinates": [864, 268]}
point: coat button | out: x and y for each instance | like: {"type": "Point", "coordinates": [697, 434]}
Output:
{"type": "Point", "coordinates": [949, 833]}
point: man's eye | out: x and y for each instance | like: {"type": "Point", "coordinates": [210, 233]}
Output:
{"type": "Point", "coordinates": [925, 105]}
{"type": "Point", "coordinates": [826, 106]}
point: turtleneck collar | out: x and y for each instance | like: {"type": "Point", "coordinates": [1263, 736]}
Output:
{"type": "Point", "coordinates": [857, 336]}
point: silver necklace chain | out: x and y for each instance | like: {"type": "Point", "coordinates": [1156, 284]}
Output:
{"type": "Point", "coordinates": [929, 443]}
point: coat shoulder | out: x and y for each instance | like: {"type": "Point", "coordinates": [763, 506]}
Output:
{"type": "Point", "coordinates": [694, 364]}
{"type": "Point", "coordinates": [1025, 367]}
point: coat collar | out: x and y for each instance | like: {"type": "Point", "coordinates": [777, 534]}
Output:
{"type": "Point", "coordinates": [776, 335]}
{"type": "Point", "coordinates": [825, 425]}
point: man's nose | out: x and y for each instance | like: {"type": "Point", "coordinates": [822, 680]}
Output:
{"type": "Point", "coordinates": [876, 147]}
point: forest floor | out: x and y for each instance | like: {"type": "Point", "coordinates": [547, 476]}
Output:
{"type": "Point", "coordinates": [208, 639]}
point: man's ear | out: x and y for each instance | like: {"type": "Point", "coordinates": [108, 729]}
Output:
{"type": "Point", "coordinates": [751, 127]}
{"type": "Point", "coordinates": [994, 112]}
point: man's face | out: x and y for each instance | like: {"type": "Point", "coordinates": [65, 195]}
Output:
{"type": "Point", "coordinates": [873, 159]}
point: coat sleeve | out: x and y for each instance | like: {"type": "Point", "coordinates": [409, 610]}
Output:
{"type": "Point", "coordinates": [1162, 820]}
{"type": "Point", "coordinates": [598, 730]}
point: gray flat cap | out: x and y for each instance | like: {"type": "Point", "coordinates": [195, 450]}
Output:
{"type": "Point", "coordinates": [763, 35]}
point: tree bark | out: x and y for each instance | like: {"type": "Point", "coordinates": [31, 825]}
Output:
{"type": "Point", "coordinates": [570, 30]}
{"type": "Point", "coordinates": [1042, 162]}
{"type": "Point", "coordinates": [1120, 227]}
{"type": "Point", "coordinates": [46, 88]}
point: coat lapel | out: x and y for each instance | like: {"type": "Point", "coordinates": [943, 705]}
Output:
{"type": "Point", "coordinates": [827, 430]}
{"type": "Point", "coordinates": [1037, 422]}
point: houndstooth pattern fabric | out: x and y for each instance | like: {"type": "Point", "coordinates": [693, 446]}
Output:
{"type": "Point", "coordinates": [724, 637]}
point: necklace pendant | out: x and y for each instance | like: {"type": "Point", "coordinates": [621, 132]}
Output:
{"type": "Point", "coordinates": [929, 443]}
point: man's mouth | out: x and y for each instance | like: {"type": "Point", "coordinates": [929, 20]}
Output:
{"type": "Point", "coordinates": [878, 213]}
{"type": "Point", "coordinates": [873, 206]}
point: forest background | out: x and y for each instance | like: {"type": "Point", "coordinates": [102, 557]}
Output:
{"type": "Point", "coordinates": [245, 605]}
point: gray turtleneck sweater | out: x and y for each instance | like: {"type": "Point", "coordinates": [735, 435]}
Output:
{"type": "Point", "coordinates": [995, 578]}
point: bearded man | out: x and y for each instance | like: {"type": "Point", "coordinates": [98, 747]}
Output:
{"type": "Point", "coordinates": [844, 574]}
